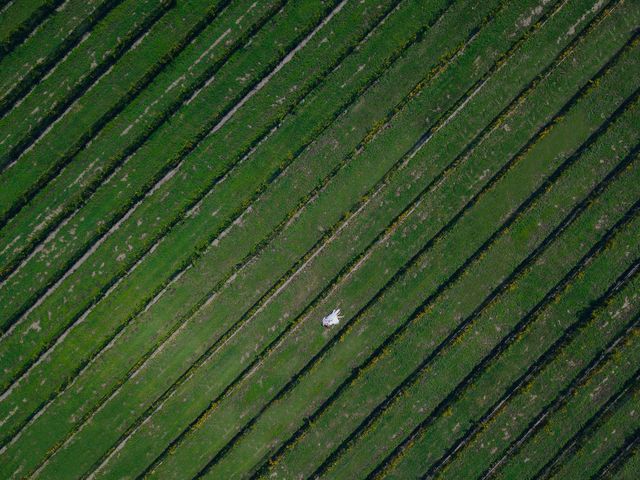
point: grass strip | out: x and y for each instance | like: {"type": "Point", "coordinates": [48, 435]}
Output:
{"type": "Point", "coordinates": [20, 18]}
{"type": "Point", "coordinates": [47, 45]}
{"type": "Point", "coordinates": [52, 99]}
{"type": "Point", "coordinates": [614, 431]}
{"type": "Point", "coordinates": [198, 57]}
{"type": "Point", "coordinates": [396, 84]}
{"type": "Point", "coordinates": [281, 371]}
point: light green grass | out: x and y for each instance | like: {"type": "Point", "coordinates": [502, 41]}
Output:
{"type": "Point", "coordinates": [38, 53]}
{"type": "Point", "coordinates": [178, 80]}
{"type": "Point", "coordinates": [48, 99]}
{"type": "Point", "coordinates": [461, 179]}
{"type": "Point", "coordinates": [305, 340]}
{"type": "Point", "coordinates": [20, 18]}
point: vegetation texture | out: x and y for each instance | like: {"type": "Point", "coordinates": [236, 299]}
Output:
{"type": "Point", "coordinates": [189, 187]}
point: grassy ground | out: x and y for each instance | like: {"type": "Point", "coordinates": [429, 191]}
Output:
{"type": "Point", "coordinates": [188, 187]}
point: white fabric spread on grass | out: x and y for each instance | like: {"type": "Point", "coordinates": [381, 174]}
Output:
{"type": "Point", "coordinates": [332, 319]}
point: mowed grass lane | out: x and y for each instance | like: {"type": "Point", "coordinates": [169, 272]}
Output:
{"type": "Point", "coordinates": [407, 64]}
{"type": "Point", "coordinates": [20, 18]}
{"type": "Point", "coordinates": [55, 37]}
{"type": "Point", "coordinates": [268, 326]}
{"type": "Point", "coordinates": [274, 319]}
{"type": "Point", "coordinates": [328, 377]}
{"type": "Point", "coordinates": [481, 285]}
{"type": "Point", "coordinates": [581, 346]}
{"type": "Point", "coordinates": [190, 65]}
{"type": "Point", "coordinates": [73, 357]}
{"type": "Point", "coordinates": [596, 446]}
{"type": "Point", "coordinates": [51, 100]}
{"type": "Point", "coordinates": [355, 66]}
{"type": "Point", "coordinates": [138, 227]}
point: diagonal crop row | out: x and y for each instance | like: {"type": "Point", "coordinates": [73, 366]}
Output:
{"type": "Point", "coordinates": [521, 426]}
{"type": "Point", "coordinates": [629, 469]}
{"type": "Point", "coordinates": [452, 416]}
{"type": "Point", "coordinates": [37, 272]}
{"type": "Point", "coordinates": [234, 416]}
{"type": "Point", "coordinates": [443, 311]}
{"type": "Point", "coordinates": [428, 390]}
{"type": "Point", "coordinates": [624, 464]}
{"type": "Point", "coordinates": [53, 98]}
{"type": "Point", "coordinates": [53, 200]}
{"type": "Point", "coordinates": [47, 45]}
{"type": "Point", "coordinates": [66, 99]}
{"type": "Point", "coordinates": [585, 403]}
{"type": "Point", "coordinates": [394, 377]}
{"type": "Point", "coordinates": [116, 91]}
{"type": "Point", "coordinates": [503, 428]}
{"type": "Point", "coordinates": [495, 435]}
{"type": "Point", "coordinates": [578, 337]}
{"type": "Point", "coordinates": [561, 355]}
{"type": "Point", "coordinates": [18, 21]}
{"type": "Point", "coordinates": [598, 444]}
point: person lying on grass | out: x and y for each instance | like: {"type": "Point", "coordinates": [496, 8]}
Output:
{"type": "Point", "coordinates": [332, 319]}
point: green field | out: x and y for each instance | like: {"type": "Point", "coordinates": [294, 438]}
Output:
{"type": "Point", "coordinates": [189, 187]}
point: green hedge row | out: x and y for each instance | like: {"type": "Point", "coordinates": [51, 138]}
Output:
{"type": "Point", "coordinates": [19, 20]}
{"type": "Point", "coordinates": [363, 338]}
{"type": "Point", "coordinates": [210, 38]}
{"type": "Point", "coordinates": [58, 34]}
{"type": "Point", "coordinates": [345, 75]}
{"type": "Point", "coordinates": [52, 99]}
